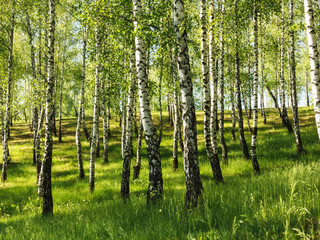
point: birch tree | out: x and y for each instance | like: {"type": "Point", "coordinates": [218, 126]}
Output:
{"type": "Point", "coordinates": [213, 158]}
{"type": "Point", "coordinates": [314, 60]}
{"type": "Point", "coordinates": [5, 134]}
{"type": "Point", "coordinates": [285, 118]}
{"type": "Point", "coordinates": [191, 162]}
{"type": "Point", "coordinates": [254, 159]}
{"type": "Point", "coordinates": [81, 105]}
{"type": "Point", "coordinates": [45, 174]}
{"type": "Point", "coordinates": [95, 127]}
{"type": "Point", "coordinates": [221, 83]}
{"type": "Point", "coordinates": [244, 146]}
{"type": "Point", "coordinates": [294, 101]}
{"type": "Point", "coordinates": [155, 172]}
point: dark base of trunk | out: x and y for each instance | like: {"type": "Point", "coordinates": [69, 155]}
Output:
{"type": "Point", "coordinates": [233, 135]}
{"type": "Point", "coordinates": [3, 176]}
{"type": "Point", "coordinates": [175, 164]}
{"type": "Point", "coordinates": [98, 149]}
{"type": "Point", "coordinates": [301, 151]}
{"type": "Point", "coordinates": [224, 152]}
{"type": "Point", "coordinates": [192, 200]}
{"type": "Point", "coordinates": [215, 166]}
{"type": "Point", "coordinates": [136, 172]}
{"type": "Point", "coordinates": [286, 123]}
{"type": "Point", "coordinates": [81, 174]}
{"type": "Point", "coordinates": [47, 205]}
{"type": "Point", "coordinates": [255, 165]}
{"type": "Point", "coordinates": [245, 151]}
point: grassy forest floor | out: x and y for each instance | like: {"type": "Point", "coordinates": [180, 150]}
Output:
{"type": "Point", "coordinates": [282, 203]}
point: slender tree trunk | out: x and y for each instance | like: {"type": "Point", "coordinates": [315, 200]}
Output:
{"type": "Point", "coordinates": [61, 79]}
{"type": "Point", "coordinates": [307, 89]}
{"type": "Point", "coordinates": [8, 103]}
{"type": "Point", "coordinates": [176, 117]}
{"type": "Point", "coordinates": [135, 113]}
{"type": "Point", "coordinates": [285, 118]}
{"type": "Point", "coordinates": [213, 157]}
{"type": "Point", "coordinates": [155, 172]}
{"type": "Point", "coordinates": [255, 163]}
{"type": "Point", "coordinates": [221, 129]}
{"type": "Point", "coordinates": [37, 144]}
{"type": "Point", "coordinates": [249, 79]}
{"type": "Point", "coordinates": [244, 146]}
{"type": "Point", "coordinates": [276, 87]}
{"type": "Point", "coordinates": [168, 108]}
{"type": "Point", "coordinates": [191, 162]}
{"type": "Point", "coordinates": [108, 119]}
{"type": "Point", "coordinates": [45, 174]}
{"type": "Point", "coordinates": [34, 83]}
{"type": "Point", "coordinates": [233, 113]}
{"type": "Point", "coordinates": [263, 113]}
{"type": "Point", "coordinates": [85, 130]}
{"type": "Point", "coordinates": [81, 105]}
{"type": "Point", "coordinates": [246, 110]}
{"type": "Point", "coordinates": [95, 127]}
{"type": "Point", "coordinates": [214, 84]}
{"type": "Point", "coordinates": [128, 129]}
{"type": "Point", "coordinates": [105, 132]}
{"type": "Point", "coordinates": [160, 103]}
{"type": "Point", "coordinates": [294, 101]}
{"type": "Point", "coordinates": [124, 124]}
{"type": "Point", "coordinates": [314, 60]}
{"type": "Point", "coordinates": [137, 167]}
{"type": "Point", "coordinates": [275, 101]}
{"type": "Point", "coordinates": [98, 127]}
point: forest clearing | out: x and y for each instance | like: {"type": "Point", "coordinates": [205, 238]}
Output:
{"type": "Point", "coordinates": [283, 202]}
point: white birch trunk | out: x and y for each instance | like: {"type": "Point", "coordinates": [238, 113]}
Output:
{"type": "Point", "coordinates": [191, 162]}
{"type": "Point", "coordinates": [314, 60]}
{"type": "Point", "coordinates": [155, 172]}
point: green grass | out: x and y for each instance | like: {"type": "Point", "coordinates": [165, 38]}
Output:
{"type": "Point", "coordinates": [282, 203]}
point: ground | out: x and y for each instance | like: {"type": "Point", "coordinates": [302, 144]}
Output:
{"type": "Point", "coordinates": [281, 203]}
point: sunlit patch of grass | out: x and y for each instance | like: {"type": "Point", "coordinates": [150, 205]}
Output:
{"type": "Point", "coordinates": [283, 202]}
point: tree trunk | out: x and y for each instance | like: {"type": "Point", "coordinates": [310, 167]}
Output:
{"type": "Point", "coordinates": [191, 162]}
{"type": "Point", "coordinates": [307, 89]}
{"type": "Point", "coordinates": [244, 146]}
{"type": "Point", "coordinates": [314, 60]}
{"type": "Point", "coordinates": [263, 113]}
{"type": "Point", "coordinates": [8, 103]}
{"type": "Point", "coordinates": [83, 117]}
{"type": "Point", "coordinates": [249, 79]}
{"type": "Point", "coordinates": [275, 101]}
{"type": "Point", "coordinates": [255, 163]}
{"type": "Point", "coordinates": [45, 174]}
{"type": "Point", "coordinates": [155, 172]}
{"type": "Point", "coordinates": [213, 157]}
{"type": "Point", "coordinates": [160, 103]}
{"type": "Point", "coordinates": [214, 84]}
{"type": "Point", "coordinates": [95, 127]}
{"type": "Point", "coordinates": [137, 167]}
{"type": "Point", "coordinates": [81, 103]}
{"type": "Point", "coordinates": [285, 118]}
{"type": "Point", "coordinates": [61, 79]}
{"type": "Point", "coordinates": [128, 132]}
{"type": "Point", "coordinates": [35, 91]}
{"type": "Point", "coordinates": [124, 125]}
{"type": "Point", "coordinates": [294, 101]}
{"type": "Point", "coordinates": [37, 144]}
{"type": "Point", "coordinates": [176, 117]}
{"type": "Point", "coordinates": [221, 129]}
{"type": "Point", "coordinates": [108, 119]}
